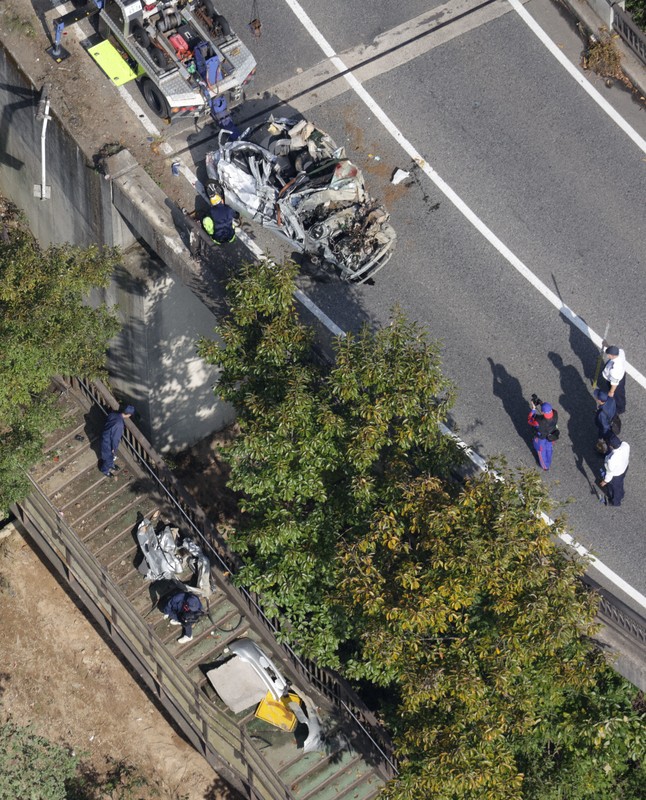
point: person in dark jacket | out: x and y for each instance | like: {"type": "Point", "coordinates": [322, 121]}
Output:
{"type": "Point", "coordinates": [544, 420]}
{"type": "Point", "coordinates": [606, 412]}
{"type": "Point", "coordinates": [220, 223]}
{"type": "Point", "coordinates": [183, 608]}
{"type": "Point", "coordinates": [111, 437]}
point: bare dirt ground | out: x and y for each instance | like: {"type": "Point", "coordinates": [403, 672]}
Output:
{"type": "Point", "coordinates": [58, 674]}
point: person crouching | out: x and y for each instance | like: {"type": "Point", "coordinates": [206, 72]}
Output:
{"type": "Point", "coordinates": [221, 221]}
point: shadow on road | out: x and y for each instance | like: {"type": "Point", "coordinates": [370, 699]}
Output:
{"type": "Point", "coordinates": [577, 406]}
{"type": "Point", "coordinates": [510, 392]}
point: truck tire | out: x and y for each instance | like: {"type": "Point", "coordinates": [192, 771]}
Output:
{"type": "Point", "coordinates": [220, 22]}
{"type": "Point", "coordinates": [140, 36]}
{"type": "Point", "coordinates": [155, 99]}
{"type": "Point", "coordinates": [158, 57]}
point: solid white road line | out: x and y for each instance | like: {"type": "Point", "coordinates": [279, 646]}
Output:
{"type": "Point", "coordinates": [578, 77]}
{"type": "Point", "coordinates": [595, 563]}
{"type": "Point", "coordinates": [441, 184]}
{"type": "Point", "coordinates": [480, 226]}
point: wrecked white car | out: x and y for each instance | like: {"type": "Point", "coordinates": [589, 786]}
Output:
{"type": "Point", "coordinates": [293, 179]}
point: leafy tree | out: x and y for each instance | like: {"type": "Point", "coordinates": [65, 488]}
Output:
{"type": "Point", "coordinates": [45, 330]}
{"type": "Point", "coordinates": [638, 9]}
{"type": "Point", "coordinates": [318, 448]}
{"type": "Point", "coordinates": [474, 618]}
{"type": "Point", "coordinates": [451, 596]}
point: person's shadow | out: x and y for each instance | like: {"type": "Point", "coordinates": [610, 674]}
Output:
{"type": "Point", "coordinates": [578, 406]}
{"type": "Point", "coordinates": [509, 390]}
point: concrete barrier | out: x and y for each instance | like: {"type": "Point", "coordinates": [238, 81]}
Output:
{"type": "Point", "coordinates": [165, 299]}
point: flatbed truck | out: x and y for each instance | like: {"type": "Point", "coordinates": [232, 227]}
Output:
{"type": "Point", "coordinates": [187, 59]}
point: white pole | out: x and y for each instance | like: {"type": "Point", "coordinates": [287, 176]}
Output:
{"type": "Point", "coordinates": [43, 191]}
{"type": "Point", "coordinates": [43, 184]}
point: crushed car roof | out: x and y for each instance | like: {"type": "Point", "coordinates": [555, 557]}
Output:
{"type": "Point", "coordinates": [292, 178]}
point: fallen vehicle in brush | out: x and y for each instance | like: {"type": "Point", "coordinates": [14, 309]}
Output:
{"type": "Point", "coordinates": [294, 180]}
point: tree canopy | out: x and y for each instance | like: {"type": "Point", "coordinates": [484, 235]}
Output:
{"type": "Point", "coordinates": [450, 597]}
{"type": "Point", "coordinates": [45, 330]}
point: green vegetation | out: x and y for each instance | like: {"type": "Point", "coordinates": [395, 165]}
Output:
{"type": "Point", "coordinates": [450, 597]}
{"type": "Point", "coordinates": [45, 330]}
{"type": "Point", "coordinates": [638, 10]}
{"type": "Point", "coordinates": [33, 768]}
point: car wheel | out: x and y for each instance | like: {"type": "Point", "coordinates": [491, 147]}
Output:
{"type": "Point", "coordinates": [158, 57]}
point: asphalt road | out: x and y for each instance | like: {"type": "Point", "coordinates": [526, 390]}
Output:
{"type": "Point", "coordinates": [503, 123]}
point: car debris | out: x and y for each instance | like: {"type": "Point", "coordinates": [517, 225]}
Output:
{"type": "Point", "coordinates": [293, 179]}
{"type": "Point", "coordinates": [166, 557]}
{"type": "Point", "coordinates": [250, 678]}
{"type": "Point", "coordinates": [399, 176]}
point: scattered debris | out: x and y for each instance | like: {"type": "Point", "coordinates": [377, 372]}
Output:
{"type": "Point", "coordinates": [399, 176]}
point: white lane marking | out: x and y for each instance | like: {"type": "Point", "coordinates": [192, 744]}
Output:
{"type": "Point", "coordinates": [567, 312]}
{"type": "Point", "coordinates": [578, 77]}
{"type": "Point", "coordinates": [138, 111]}
{"type": "Point", "coordinates": [566, 538]}
{"type": "Point", "coordinates": [441, 184]}
{"type": "Point", "coordinates": [389, 50]}
{"type": "Point", "coordinates": [319, 314]}
{"type": "Point", "coordinates": [595, 563]}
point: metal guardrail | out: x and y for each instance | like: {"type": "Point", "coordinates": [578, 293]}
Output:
{"type": "Point", "coordinates": [225, 746]}
{"type": "Point", "coordinates": [629, 31]}
{"type": "Point", "coordinates": [617, 615]}
{"type": "Point", "coordinates": [330, 685]}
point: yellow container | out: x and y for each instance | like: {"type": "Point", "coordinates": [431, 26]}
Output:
{"type": "Point", "coordinates": [276, 712]}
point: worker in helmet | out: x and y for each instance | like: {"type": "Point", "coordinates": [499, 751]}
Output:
{"type": "Point", "coordinates": [222, 220]}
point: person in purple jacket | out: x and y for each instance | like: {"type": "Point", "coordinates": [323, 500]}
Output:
{"type": "Point", "coordinates": [111, 437]}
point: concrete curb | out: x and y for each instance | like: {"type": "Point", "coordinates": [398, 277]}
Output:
{"type": "Point", "coordinates": [8, 530]}
{"type": "Point", "coordinates": [632, 67]}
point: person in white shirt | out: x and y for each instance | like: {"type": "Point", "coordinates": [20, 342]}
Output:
{"type": "Point", "coordinates": [614, 374]}
{"type": "Point", "coordinates": [615, 469]}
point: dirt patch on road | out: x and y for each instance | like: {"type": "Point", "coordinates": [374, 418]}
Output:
{"type": "Point", "coordinates": [59, 674]}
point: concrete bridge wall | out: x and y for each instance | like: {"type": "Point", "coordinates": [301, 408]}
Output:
{"type": "Point", "coordinates": [162, 298]}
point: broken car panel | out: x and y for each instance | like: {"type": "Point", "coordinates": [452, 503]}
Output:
{"type": "Point", "coordinates": [292, 178]}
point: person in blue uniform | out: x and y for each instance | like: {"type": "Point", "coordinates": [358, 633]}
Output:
{"type": "Point", "coordinates": [544, 421]}
{"type": "Point", "coordinates": [183, 608]}
{"type": "Point", "coordinates": [605, 414]}
{"type": "Point", "coordinates": [221, 221]}
{"type": "Point", "coordinates": [111, 437]}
